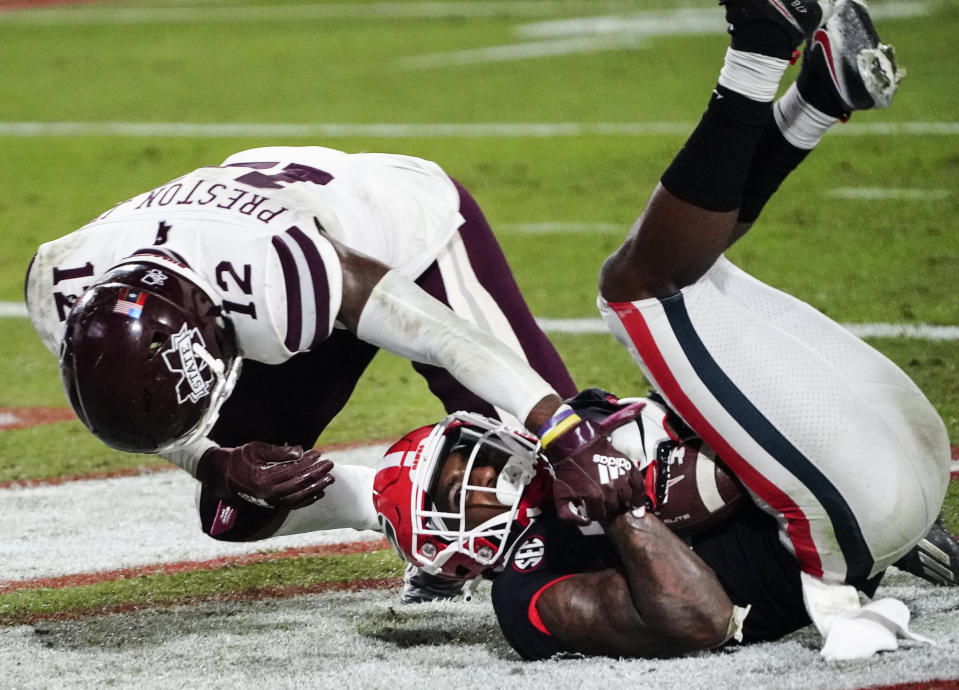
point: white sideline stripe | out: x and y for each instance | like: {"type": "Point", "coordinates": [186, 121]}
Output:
{"type": "Point", "coordinates": [862, 330]}
{"type": "Point", "coordinates": [313, 11]}
{"type": "Point", "coordinates": [882, 193]}
{"type": "Point", "coordinates": [595, 325]}
{"type": "Point", "coordinates": [399, 130]}
{"type": "Point", "coordinates": [107, 524]}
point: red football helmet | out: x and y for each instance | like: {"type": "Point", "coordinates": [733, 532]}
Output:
{"type": "Point", "coordinates": [439, 541]}
{"type": "Point", "coordinates": [147, 359]}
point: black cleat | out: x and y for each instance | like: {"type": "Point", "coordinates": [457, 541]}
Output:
{"type": "Point", "coordinates": [846, 59]}
{"type": "Point", "coordinates": [935, 558]}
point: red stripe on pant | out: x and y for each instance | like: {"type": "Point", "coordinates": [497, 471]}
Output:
{"type": "Point", "coordinates": [797, 524]}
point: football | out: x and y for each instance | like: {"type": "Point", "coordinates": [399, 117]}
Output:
{"type": "Point", "coordinates": [697, 492]}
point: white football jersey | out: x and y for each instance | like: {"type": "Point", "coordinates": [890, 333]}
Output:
{"type": "Point", "coordinates": [249, 228]}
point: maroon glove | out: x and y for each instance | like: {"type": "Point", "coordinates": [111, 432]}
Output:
{"type": "Point", "coordinates": [593, 480]}
{"type": "Point", "coordinates": [266, 475]}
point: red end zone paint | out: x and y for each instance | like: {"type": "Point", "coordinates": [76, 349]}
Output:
{"type": "Point", "coordinates": [102, 474]}
{"type": "Point", "coordinates": [922, 685]}
{"type": "Point", "coordinates": [26, 417]}
{"type": "Point", "coordinates": [245, 595]}
{"type": "Point", "coordinates": [82, 579]}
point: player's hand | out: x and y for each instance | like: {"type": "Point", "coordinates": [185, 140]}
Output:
{"type": "Point", "coordinates": [267, 475]}
{"type": "Point", "coordinates": [593, 480]}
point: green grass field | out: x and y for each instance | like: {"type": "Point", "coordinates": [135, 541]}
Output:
{"type": "Point", "coordinates": [891, 259]}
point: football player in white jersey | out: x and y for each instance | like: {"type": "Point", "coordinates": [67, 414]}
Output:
{"type": "Point", "coordinates": [299, 263]}
{"type": "Point", "coordinates": [830, 437]}
{"type": "Point", "coordinates": [846, 459]}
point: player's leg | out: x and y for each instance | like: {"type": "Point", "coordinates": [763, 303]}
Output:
{"type": "Point", "coordinates": [738, 374]}
{"type": "Point", "coordinates": [692, 215]}
{"type": "Point", "coordinates": [472, 276]}
{"type": "Point", "coordinates": [845, 68]}
{"type": "Point", "coordinates": [801, 411]}
{"type": "Point", "coordinates": [294, 401]}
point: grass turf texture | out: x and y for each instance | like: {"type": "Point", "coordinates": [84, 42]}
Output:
{"type": "Point", "coordinates": [858, 261]}
{"type": "Point", "coordinates": [282, 576]}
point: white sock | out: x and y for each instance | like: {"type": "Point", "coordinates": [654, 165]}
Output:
{"type": "Point", "coordinates": [347, 502]}
{"type": "Point", "coordinates": [753, 75]}
{"type": "Point", "coordinates": [801, 124]}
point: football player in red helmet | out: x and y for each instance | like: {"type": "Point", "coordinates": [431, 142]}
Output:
{"type": "Point", "coordinates": [452, 497]}
{"type": "Point", "coordinates": [471, 497]}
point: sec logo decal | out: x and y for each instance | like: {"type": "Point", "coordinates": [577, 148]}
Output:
{"type": "Point", "coordinates": [529, 554]}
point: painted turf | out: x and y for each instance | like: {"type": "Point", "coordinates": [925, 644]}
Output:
{"type": "Point", "coordinates": [126, 522]}
{"type": "Point", "coordinates": [364, 639]}
{"type": "Point", "coordinates": [78, 531]}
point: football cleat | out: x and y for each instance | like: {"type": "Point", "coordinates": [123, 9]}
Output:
{"type": "Point", "coordinates": [935, 558]}
{"type": "Point", "coordinates": [845, 56]}
{"type": "Point", "coordinates": [419, 586]}
{"type": "Point", "coordinates": [800, 18]}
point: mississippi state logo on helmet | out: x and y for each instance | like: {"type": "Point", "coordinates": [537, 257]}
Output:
{"type": "Point", "coordinates": [438, 540]}
{"type": "Point", "coordinates": [146, 359]}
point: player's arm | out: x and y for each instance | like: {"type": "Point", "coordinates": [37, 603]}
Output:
{"type": "Point", "coordinates": [664, 602]}
{"type": "Point", "coordinates": [389, 310]}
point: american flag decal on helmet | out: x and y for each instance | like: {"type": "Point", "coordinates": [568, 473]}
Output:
{"type": "Point", "coordinates": [130, 302]}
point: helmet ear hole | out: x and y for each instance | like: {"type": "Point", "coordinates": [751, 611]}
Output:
{"type": "Point", "coordinates": [156, 342]}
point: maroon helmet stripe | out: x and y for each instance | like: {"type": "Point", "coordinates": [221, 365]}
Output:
{"type": "Point", "coordinates": [321, 287]}
{"type": "Point", "coordinates": [294, 307]}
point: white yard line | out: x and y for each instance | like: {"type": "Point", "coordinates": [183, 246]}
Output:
{"type": "Point", "coordinates": [863, 330]}
{"type": "Point", "coordinates": [596, 325]}
{"type": "Point", "coordinates": [544, 228]}
{"type": "Point", "coordinates": [889, 193]}
{"type": "Point", "coordinates": [400, 130]}
{"type": "Point", "coordinates": [9, 310]}
{"type": "Point", "coordinates": [610, 32]}
{"type": "Point", "coordinates": [115, 15]}
{"type": "Point", "coordinates": [108, 524]}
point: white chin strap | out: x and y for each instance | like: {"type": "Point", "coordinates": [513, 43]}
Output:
{"type": "Point", "coordinates": [225, 382]}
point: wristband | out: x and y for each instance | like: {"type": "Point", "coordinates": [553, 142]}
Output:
{"type": "Point", "coordinates": [562, 420]}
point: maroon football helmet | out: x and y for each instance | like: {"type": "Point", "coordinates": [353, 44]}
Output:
{"type": "Point", "coordinates": [439, 541]}
{"type": "Point", "coordinates": [146, 358]}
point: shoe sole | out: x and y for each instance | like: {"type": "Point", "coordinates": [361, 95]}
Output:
{"type": "Point", "coordinates": [877, 74]}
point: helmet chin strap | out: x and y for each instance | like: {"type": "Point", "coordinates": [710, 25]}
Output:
{"type": "Point", "coordinates": [225, 382]}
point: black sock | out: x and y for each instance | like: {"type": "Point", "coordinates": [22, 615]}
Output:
{"type": "Point", "coordinates": [821, 96]}
{"type": "Point", "coordinates": [764, 37]}
{"type": "Point", "coordinates": [711, 168]}
{"type": "Point", "coordinates": [774, 159]}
